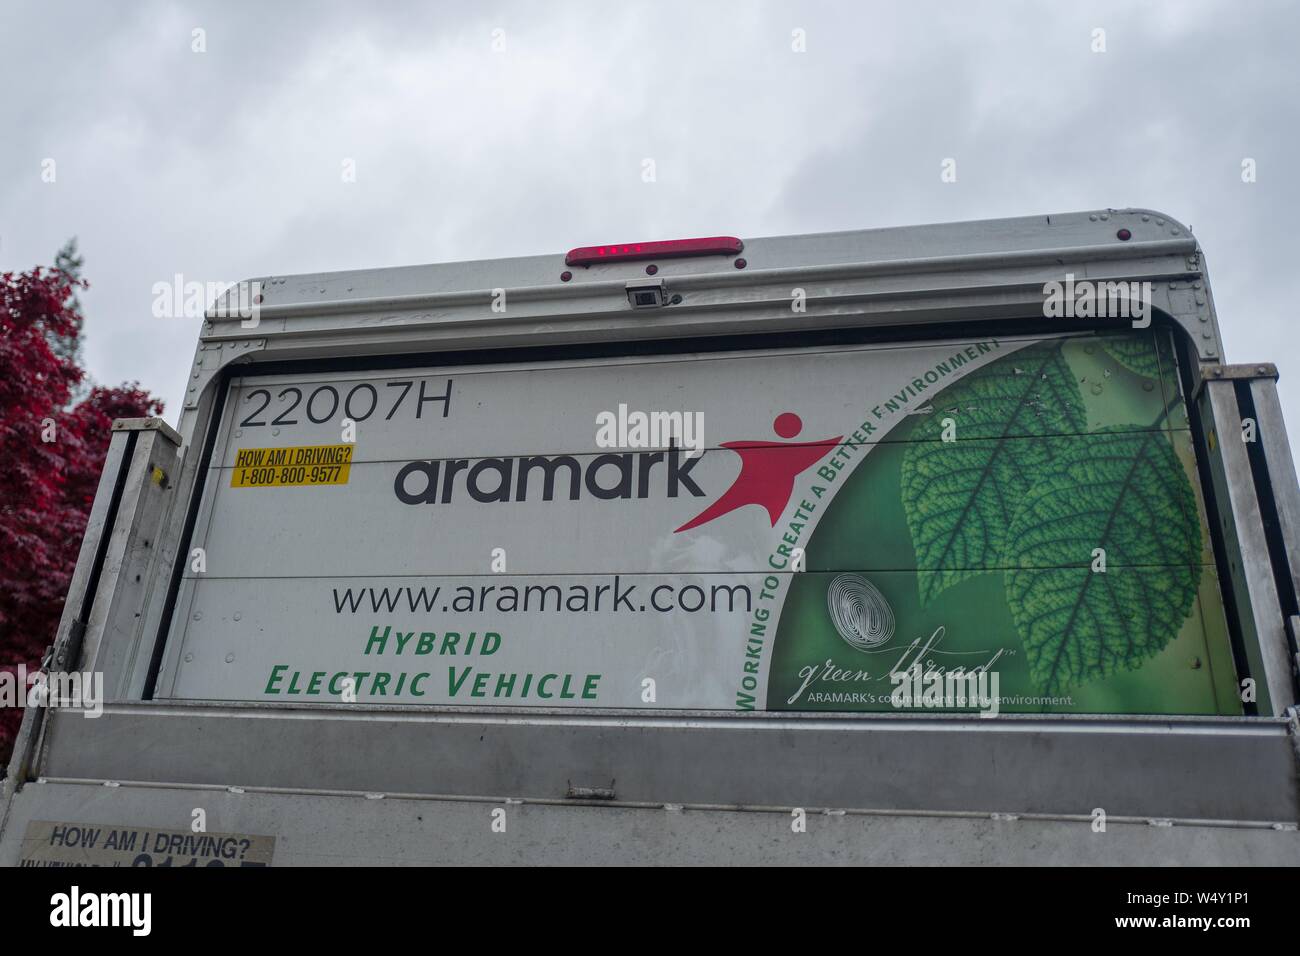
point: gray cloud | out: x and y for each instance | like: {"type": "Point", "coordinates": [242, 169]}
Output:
{"type": "Point", "coordinates": [226, 164]}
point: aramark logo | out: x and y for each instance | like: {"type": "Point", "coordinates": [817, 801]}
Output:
{"type": "Point", "coordinates": [767, 474]}
{"type": "Point", "coordinates": [607, 477]}
{"type": "Point", "coordinates": [767, 471]}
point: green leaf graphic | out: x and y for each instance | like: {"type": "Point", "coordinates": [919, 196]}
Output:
{"type": "Point", "coordinates": [959, 496]}
{"type": "Point", "coordinates": [1136, 353]}
{"type": "Point", "coordinates": [1124, 492]}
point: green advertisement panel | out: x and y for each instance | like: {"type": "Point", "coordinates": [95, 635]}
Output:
{"type": "Point", "coordinates": [1036, 535]}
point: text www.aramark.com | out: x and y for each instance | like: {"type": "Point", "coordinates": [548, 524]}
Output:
{"type": "Point", "coordinates": [615, 596]}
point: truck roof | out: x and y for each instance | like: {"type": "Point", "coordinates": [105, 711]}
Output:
{"type": "Point", "coordinates": [1079, 236]}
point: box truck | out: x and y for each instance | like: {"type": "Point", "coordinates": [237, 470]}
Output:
{"type": "Point", "coordinates": [947, 544]}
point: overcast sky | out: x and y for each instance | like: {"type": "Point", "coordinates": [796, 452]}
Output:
{"type": "Point", "coordinates": [225, 164]}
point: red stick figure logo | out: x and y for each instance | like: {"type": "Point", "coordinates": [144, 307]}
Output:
{"type": "Point", "coordinates": [767, 471]}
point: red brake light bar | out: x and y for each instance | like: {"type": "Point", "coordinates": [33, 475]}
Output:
{"type": "Point", "coordinates": [669, 249]}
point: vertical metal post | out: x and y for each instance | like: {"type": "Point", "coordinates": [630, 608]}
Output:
{"type": "Point", "coordinates": [72, 623]}
{"type": "Point", "coordinates": [1278, 464]}
{"type": "Point", "coordinates": [136, 569]}
{"type": "Point", "coordinates": [1276, 446]}
{"type": "Point", "coordinates": [1241, 517]}
{"type": "Point", "coordinates": [112, 578]}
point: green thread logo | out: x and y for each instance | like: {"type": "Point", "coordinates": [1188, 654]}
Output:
{"type": "Point", "coordinates": [859, 611]}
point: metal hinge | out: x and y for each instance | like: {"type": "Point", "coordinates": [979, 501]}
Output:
{"type": "Point", "coordinates": [590, 793]}
{"type": "Point", "coordinates": [1292, 715]}
{"type": "Point", "coordinates": [68, 648]}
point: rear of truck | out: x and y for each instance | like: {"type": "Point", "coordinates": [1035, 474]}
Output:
{"type": "Point", "coordinates": [942, 544]}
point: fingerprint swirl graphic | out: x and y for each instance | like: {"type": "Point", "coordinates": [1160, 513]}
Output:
{"type": "Point", "coordinates": [859, 611]}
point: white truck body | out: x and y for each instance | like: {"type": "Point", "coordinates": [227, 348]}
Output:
{"type": "Point", "coordinates": [246, 579]}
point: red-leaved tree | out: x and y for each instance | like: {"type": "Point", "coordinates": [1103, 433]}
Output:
{"type": "Point", "coordinates": [50, 459]}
